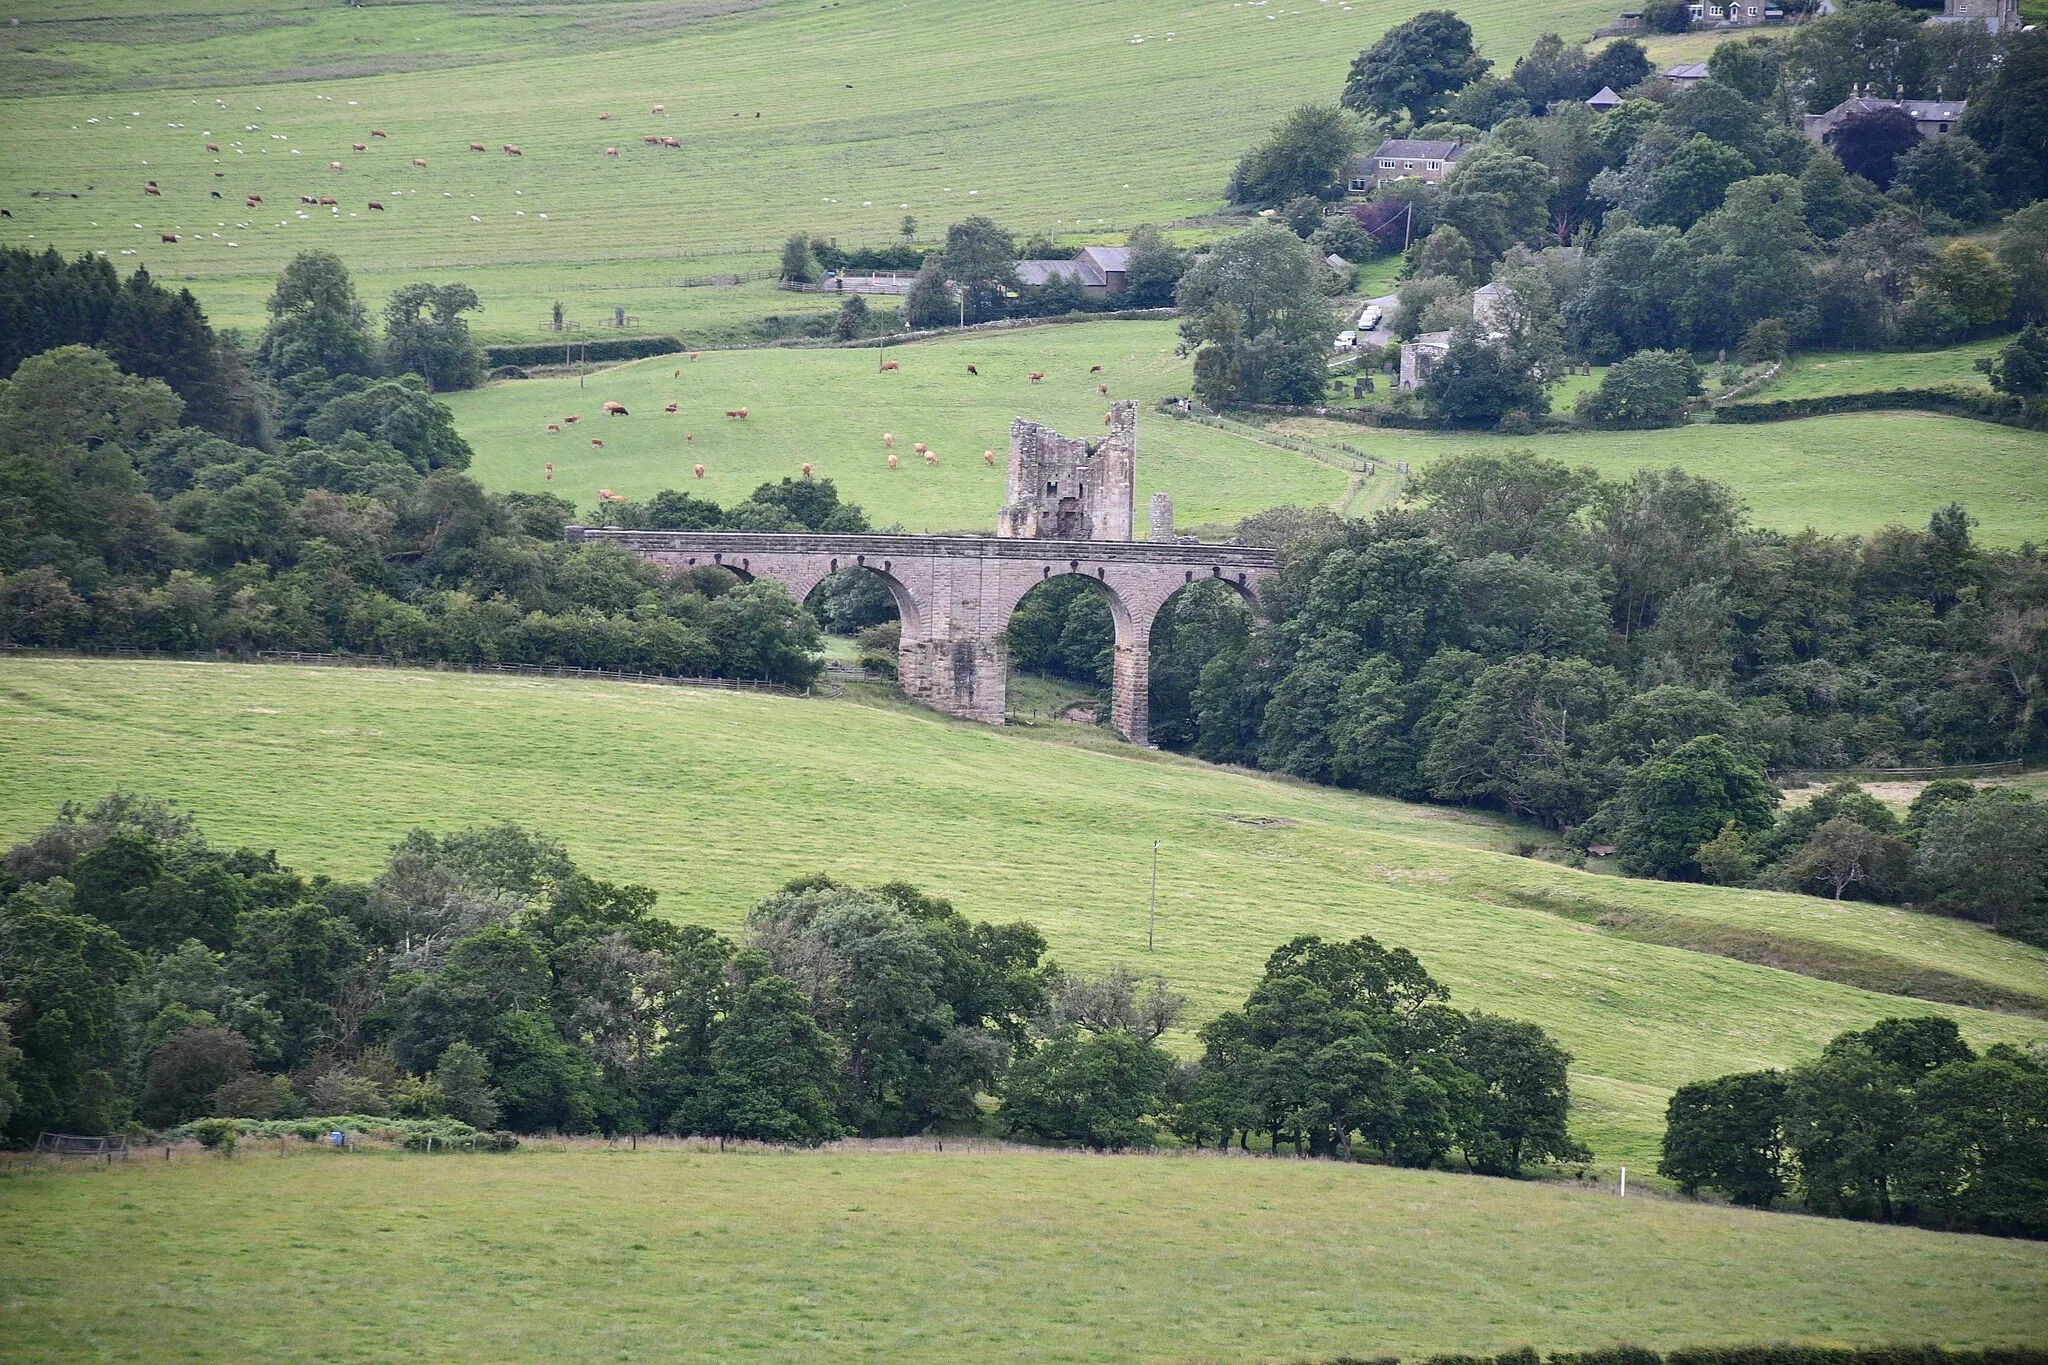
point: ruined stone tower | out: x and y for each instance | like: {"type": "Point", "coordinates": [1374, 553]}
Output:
{"type": "Point", "coordinates": [1070, 488]}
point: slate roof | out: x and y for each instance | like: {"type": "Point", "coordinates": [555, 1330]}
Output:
{"type": "Point", "coordinates": [1415, 149]}
{"type": "Point", "coordinates": [1605, 99]}
{"type": "Point", "coordinates": [1105, 259]}
{"type": "Point", "coordinates": [1686, 71]}
{"type": "Point", "coordinates": [1036, 273]}
{"type": "Point", "coordinates": [1926, 111]}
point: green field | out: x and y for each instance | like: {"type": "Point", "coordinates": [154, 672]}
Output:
{"type": "Point", "coordinates": [830, 408]}
{"type": "Point", "coordinates": [848, 1255]}
{"type": "Point", "coordinates": [716, 798]}
{"type": "Point", "coordinates": [870, 109]}
{"type": "Point", "coordinates": [1818, 373]}
{"type": "Point", "coordinates": [1844, 474]}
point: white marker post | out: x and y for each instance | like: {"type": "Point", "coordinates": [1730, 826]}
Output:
{"type": "Point", "coordinates": [1624, 1182]}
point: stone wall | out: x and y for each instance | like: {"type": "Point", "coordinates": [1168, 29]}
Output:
{"type": "Point", "coordinates": [1070, 487]}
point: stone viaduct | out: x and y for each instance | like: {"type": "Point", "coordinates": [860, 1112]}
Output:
{"type": "Point", "coordinates": [955, 594]}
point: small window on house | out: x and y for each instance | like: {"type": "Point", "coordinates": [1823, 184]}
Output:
{"type": "Point", "coordinates": [1051, 487]}
{"type": "Point", "coordinates": [1943, 127]}
{"type": "Point", "coordinates": [1358, 184]}
{"type": "Point", "coordinates": [1386, 165]}
{"type": "Point", "coordinates": [1436, 165]}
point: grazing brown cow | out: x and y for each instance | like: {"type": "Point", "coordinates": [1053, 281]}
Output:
{"type": "Point", "coordinates": [612, 409]}
{"type": "Point", "coordinates": [551, 473]}
{"type": "Point", "coordinates": [693, 355]}
{"type": "Point", "coordinates": [1095, 369]}
{"type": "Point", "coordinates": [213, 146]}
{"type": "Point", "coordinates": [377, 204]}
{"type": "Point", "coordinates": [599, 444]}
{"type": "Point", "coordinates": [660, 109]}
{"type": "Point", "coordinates": [611, 151]}
{"type": "Point", "coordinates": [988, 457]}
{"type": "Point", "coordinates": [308, 199]}
{"type": "Point", "coordinates": [334, 165]}
{"type": "Point", "coordinates": [919, 446]}
{"type": "Point", "coordinates": [670, 142]}
{"type": "Point", "coordinates": [889, 365]}
{"type": "Point", "coordinates": [689, 436]}
{"type": "Point", "coordinates": [151, 188]}
{"type": "Point", "coordinates": [378, 132]}
{"type": "Point", "coordinates": [743, 414]}
{"type": "Point", "coordinates": [255, 199]}
{"type": "Point", "coordinates": [1102, 388]}
{"type": "Point", "coordinates": [651, 140]}
{"type": "Point", "coordinates": [732, 412]}
{"type": "Point", "coordinates": [700, 471]}
{"type": "Point", "coordinates": [606, 495]}
{"type": "Point", "coordinates": [931, 457]}
{"type": "Point", "coordinates": [553, 427]}
{"type": "Point", "coordinates": [807, 470]}
{"type": "Point", "coordinates": [419, 161]}
{"type": "Point", "coordinates": [1035, 376]}
{"type": "Point", "coordinates": [892, 462]}
{"type": "Point", "coordinates": [216, 194]}
{"type": "Point", "coordinates": [476, 146]}
{"type": "Point", "coordinates": [169, 236]}
{"type": "Point", "coordinates": [330, 203]}
{"type": "Point", "coordinates": [678, 374]}
{"type": "Point", "coordinates": [510, 150]}
{"type": "Point", "coordinates": [888, 439]}
{"type": "Point", "coordinates": [356, 147]}
{"type": "Point", "coordinates": [670, 408]}
{"type": "Point", "coordinates": [604, 118]}
{"type": "Point", "coordinates": [972, 370]}
{"type": "Point", "coordinates": [573, 418]}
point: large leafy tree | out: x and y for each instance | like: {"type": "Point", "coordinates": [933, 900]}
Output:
{"type": "Point", "coordinates": [1095, 1088]}
{"type": "Point", "coordinates": [1870, 144]}
{"type": "Point", "coordinates": [981, 260]}
{"type": "Point", "coordinates": [2009, 119]}
{"type": "Point", "coordinates": [60, 981]}
{"type": "Point", "coordinates": [317, 324]}
{"type": "Point", "coordinates": [1523, 1097]}
{"type": "Point", "coordinates": [1727, 1135]}
{"type": "Point", "coordinates": [1306, 154]}
{"type": "Point", "coordinates": [425, 334]}
{"type": "Point", "coordinates": [1254, 314]}
{"type": "Point", "coordinates": [1414, 68]}
{"type": "Point", "coordinates": [1673, 804]}
{"type": "Point", "coordinates": [774, 1069]}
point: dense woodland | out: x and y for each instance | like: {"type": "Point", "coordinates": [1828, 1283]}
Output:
{"type": "Point", "coordinates": [148, 979]}
{"type": "Point", "coordinates": [156, 493]}
{"type": "Point", "coordinates": [1624, 662]}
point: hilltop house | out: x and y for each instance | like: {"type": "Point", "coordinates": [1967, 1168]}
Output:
{"type": "Point", "coordinates": [1101, 270]}
{"type": "Point", "coordinates": [1997, 16]}
{"type": "Point", "coordinates": [1401, 158]}
{"type": "Point", "coordinates": [1934, 117]}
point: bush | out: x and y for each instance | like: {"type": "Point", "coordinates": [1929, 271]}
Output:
{"type": "Point", "coordinates": [1650, 388]}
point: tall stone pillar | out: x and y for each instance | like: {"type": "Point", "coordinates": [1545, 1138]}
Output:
{"type": "Point", "coordinates": [1161, 519]}
{"type": "Point", "coordinates": [1130, 706]}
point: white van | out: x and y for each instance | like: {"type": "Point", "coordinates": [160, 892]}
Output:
{"type": "Point", "coordinates": [1347, 341]}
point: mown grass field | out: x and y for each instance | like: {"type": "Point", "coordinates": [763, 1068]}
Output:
{"type": "Point", "coordinates": [842, 1255]}
{"type": "Point", "coordinates": [869, 109]}
{"type": "Point", "coordinates": [1844, 474]}
{"type": "Point", "coordinates": [830, 408]}
{"type": "Point", "coordinates": [714, 799]}
{"type": "Point", "coordinates": [1818, 373]}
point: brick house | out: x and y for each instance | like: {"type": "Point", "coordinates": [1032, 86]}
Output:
{"type": "Point", "coordinates": [1401, 158]}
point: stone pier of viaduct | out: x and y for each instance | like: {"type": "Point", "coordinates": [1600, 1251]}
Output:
{"type": "Point", "coordinates": [955, 595]}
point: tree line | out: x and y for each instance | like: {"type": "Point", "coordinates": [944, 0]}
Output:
{"type": "Point", "coordinates": [1900, 1123]}
{"type": "Point", "coordinates": [1625, 663]}
{"type": "Point", "coordinates": [149, 978]}
{"type": "Point", "coordinates": [336, 518]}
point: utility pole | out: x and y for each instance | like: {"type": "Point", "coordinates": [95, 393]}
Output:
{"type": "Point", "coordinates": [1152, 915]}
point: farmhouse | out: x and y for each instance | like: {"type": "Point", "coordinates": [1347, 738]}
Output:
{"type": "Point", "coordinates": [1997, 16]}
{"type": "Point", "coordinates": [1101, 270]}
{"type": "Point", "coordinates": [1401, 158]}
{"type": "Point", "coordinates": [1933, 117]}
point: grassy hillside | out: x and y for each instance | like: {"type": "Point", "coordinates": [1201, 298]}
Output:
{"type": "Point", "coordinates": [715, 798]}
{"type": "Point", "coordinates": [831, 407]}
{"type": "Point", "coordinates": [1847, 473]}
{"type": "Point", "coordinates": [1817, 373]}
{"type": "Point", "coordinates": [869, 109]}
{"type": "Point", "coordinates": [989, 1256]}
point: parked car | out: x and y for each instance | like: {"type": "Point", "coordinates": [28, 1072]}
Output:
{"type": "Point", "coordinates": [1370, 318]}
{"type": "Point", "coordinates": [1347, 341]}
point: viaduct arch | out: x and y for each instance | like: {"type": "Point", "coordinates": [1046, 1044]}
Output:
{"type": "Point", "coordinates": [1071, 510]}
{"type": "Point", "coordinates": [955, 595]}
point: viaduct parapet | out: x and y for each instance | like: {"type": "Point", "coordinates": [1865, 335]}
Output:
{"type": "Point", "coordinates": [955, 593]}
